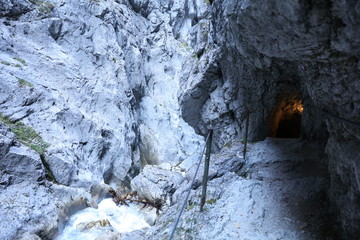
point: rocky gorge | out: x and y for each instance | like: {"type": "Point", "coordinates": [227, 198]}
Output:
{"type": "Point", "coordinates": [99, 93]}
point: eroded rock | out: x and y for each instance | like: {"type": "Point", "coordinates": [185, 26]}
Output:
{"type": "Point", "coordinates": [154, 182]}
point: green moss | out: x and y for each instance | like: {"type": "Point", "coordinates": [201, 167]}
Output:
{"type": "Point", "coordinates": [5, 119]}
{"type": "Point", "coordinates": [205, 34]}
{"type": "Point", "coordinates": [49, 174]}
{"type": "Point", "coordinates": [190, 207]}
{"type": "Point", "coordinates": [24, 83]}
{"type": "Point", "coordinates": [203, 24]}
{"type": "Point", "coordinates": [5, 63]}
{"type": "Point", "coordinates": [37, 2]}
{"type": "Point", "coordinates": [29, 137]}
{"type": "Point", "coordinates": [26, 135]}
{"type": "Point", "coordinates": [228, 144]}
{"type": "Point", "coordinates": [185, 230]}
{"type": "Point", "coordinates": [20, 60]}
{"type": "Point", "coordinates": [185, 46]}
{"type": "Point", "coordinates": [211, 201]}
{"type": "Point", "coordinates": [18, 65]}
{"type": "Point", "coordinates": [166, 224]}
{"type": "Point", "coordinates": [44, 7]}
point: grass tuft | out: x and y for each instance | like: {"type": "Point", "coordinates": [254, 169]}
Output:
{"type": "Point", "coordinates": [211, 201]}
{"type": "Point", "coordinates": [23, 83]}
{"type": "Point", "coordinates": [26, 135]}
{"type": "Point", "coordinates": [190, 207]}
{"type": "Point", "coordinates": [22, 61]}
{"type": "Point", "coordinates": [5, 63]}
{"type": "Point", "coordinates": [44, 7]}
{"type": "Point", "coordinates": [29, 137]}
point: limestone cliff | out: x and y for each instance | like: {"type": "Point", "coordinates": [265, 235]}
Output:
{"type": "Point", "coordinates": [98, 81]}
{"type": "Point", "coordinates": [114, 85]}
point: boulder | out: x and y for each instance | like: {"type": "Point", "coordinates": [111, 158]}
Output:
{"type": "Point", "coordinates": [154, 182]}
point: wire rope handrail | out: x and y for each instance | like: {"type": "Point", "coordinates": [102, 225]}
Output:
{"type": "Point", "coordinates": [207, 147]}
{"type": "Point", "coordinates": [208, 138]}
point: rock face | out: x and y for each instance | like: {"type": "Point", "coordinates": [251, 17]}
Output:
{"type": "Point", "coordinates": [116, 85]}
{"type": "Point", "coordinates": [155, 182]}
{"type": "Point", "coordinates": [98, 81]}
{"type": "Point", "coordinates": [18, 163]}
{"type": "Point", "coordinates": [31, 207]}
{"type": "Point", "coordinates": [260, 57]}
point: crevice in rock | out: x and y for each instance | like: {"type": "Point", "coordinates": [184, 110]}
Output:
{"type": "Point", "coordinates": [49, 174]}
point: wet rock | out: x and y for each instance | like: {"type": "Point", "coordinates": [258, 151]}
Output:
{"type": "Point", "coordinates": [95, 224]}
{"type": "Point", "coordinates": [31, 207]}
{"type": "Point", "coordinates": [98, 193]}
{"type": "Point", "coordinates": [345, 184]}
{"type": "Point", "coordinates": [36, 209]}
{"type": "Point", "coordinates": [29, 236]}
{"type": "Point", "coordinates": [154, 182]}
{"type": "Point", "coordinates": [109, 236]}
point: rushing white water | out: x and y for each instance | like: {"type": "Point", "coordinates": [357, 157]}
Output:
{"type": "Point", "coordinates": [90, 222]}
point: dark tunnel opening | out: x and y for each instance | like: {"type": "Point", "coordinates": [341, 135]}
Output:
{"type": "Point", "coordinates": [285, 120]}
{"type": "Point", "coordinates": [289, 127]}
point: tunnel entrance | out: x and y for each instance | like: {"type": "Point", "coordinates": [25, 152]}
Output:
{"type": "Point", "coordinates": [285, 120]}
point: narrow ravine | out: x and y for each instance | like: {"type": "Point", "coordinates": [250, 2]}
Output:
{"type": "Point", "coordinates": [121, 93]}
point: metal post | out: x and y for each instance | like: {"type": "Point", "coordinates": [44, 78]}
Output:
{"type": "Point", "coordinates": [246, 134]}
{"type": "Point", "coordinates": [206, 171]}
{"type": "Point", "coordinates": [188, 191]}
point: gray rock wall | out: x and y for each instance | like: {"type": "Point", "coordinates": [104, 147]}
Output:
{"type": "Point", "coordinates": [115, 85]}
{"type": "Point", "coordinates": [267, 51]}
{"type": "Point", "coordinates": [30, 204]}
{"type": "Point", "coordinates": [98, 80]}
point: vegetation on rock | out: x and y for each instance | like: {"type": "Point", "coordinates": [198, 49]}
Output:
{"type": "Point", "coordinates": [26, 135]}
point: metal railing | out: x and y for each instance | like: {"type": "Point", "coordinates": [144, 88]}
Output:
{"type": "Point", "coordinates": [246, 134]}
{"type": "Point", "coordinates": [207, 147]}
{"type": "Point", "coordinates": [206, 170]}
{"type": "Point", "coordinates": [204, 183]}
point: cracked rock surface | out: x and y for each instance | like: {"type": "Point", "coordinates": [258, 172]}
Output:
{"type": "Point", "coordinates": [121, 90]}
